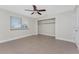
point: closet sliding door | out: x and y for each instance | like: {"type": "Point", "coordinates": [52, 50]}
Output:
{"type": "Point", "coordinates": [46, 27]}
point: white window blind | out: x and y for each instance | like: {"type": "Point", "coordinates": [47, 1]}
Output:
{"type": "Point", "coordinates": [15, 22]}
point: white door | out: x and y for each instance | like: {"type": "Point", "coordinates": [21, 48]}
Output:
{"type": "Point", "coordinates": [47, 27]}
{"type": "Point", "coordinates": [76, 27]}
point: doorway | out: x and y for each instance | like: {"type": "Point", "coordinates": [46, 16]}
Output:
{"type": "Point", "coordinates": [46, 27]}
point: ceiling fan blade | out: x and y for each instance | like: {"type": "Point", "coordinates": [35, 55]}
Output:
{"type": "Point", "coordinates": [32, 13]}
{"type": "Point", "coordinates": [39, 13]}
{"type": "Point", "coordinates": [34, 8]}
{"type": "Point", "coordinates": [41, 10]}
{"type": "Point", "coordinates": [28, 10]}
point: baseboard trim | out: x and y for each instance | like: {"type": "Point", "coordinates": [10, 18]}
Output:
{"type": "Point", "coordinates": [58, 38]}
{"type": "Point", "coordinates": [77, 44]}
{"type": "Point", "coordinates": [47, 35]}
{"type": "Point", "coordinates": [15, 38]}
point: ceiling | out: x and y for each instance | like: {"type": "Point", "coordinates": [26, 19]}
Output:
{"type": "Point", "coordinates": [50, 9]}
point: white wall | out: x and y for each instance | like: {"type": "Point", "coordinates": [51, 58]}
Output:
{"type": "Point", "coordinates": [64, 26]}
{"type": "Point", "coordinates": [7, 34]}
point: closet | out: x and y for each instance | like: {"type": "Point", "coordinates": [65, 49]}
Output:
{"type": "Point", "coordinates": [46, 27]}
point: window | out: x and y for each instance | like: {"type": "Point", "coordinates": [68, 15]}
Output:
{"type": "Point", "coordinates": [15, 23]}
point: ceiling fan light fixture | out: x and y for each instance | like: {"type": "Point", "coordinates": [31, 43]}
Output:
{"type": "Point", "coordinates": [35, 10]}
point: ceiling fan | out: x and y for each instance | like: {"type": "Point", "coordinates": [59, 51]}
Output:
{"type": "Point", "coordinates": [35, 10]}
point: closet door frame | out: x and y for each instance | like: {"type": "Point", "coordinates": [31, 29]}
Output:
{"type": "Point", "coordinates": [39, 21]}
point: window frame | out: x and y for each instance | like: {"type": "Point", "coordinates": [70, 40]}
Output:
{"type": "Point", "coordinates": [17, 18]}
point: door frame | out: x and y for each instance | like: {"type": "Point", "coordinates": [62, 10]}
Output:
{"type": "Point", "coordinates": [45, 20]}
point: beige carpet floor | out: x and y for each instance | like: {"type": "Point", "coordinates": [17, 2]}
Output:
{"type": "Point", "coordinates": [38, 45]}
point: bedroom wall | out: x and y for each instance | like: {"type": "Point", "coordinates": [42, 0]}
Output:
{"type": "Point", "coordinates": [64, 26]}
{"type": "Point", "coordinates": [7, 34]}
